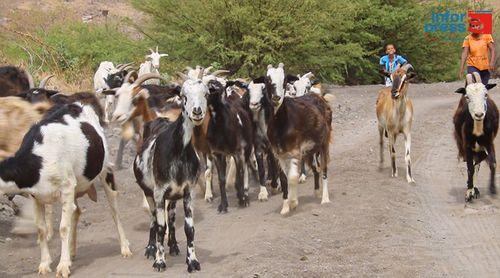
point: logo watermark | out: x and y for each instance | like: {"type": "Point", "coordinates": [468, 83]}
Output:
{"type": "Point", "coordinates": [452, 25]}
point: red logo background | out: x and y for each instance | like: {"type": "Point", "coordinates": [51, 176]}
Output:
{"type": "Point", "coordinates": [480, 22]}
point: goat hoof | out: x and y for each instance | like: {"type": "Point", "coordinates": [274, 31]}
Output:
{"type": "Point", "coordinates": [159, 265]}
{"type": "Point", "coordinates": [293, 204]}
{"type": "Point", "coordinates": [471, 194]}
{"type": "Point", "coordinates": [63, 270]}
{"type": "Point", "coordinates": [126, 252]}
{"type": "Point", "coordinates": [263, 195]}
{"type": "Point", "coordinates": [286, 208]}
{"type": "Point", "coordinates": [193, 265]}
{"type": "Point", "coordinates": [150, 251]}
{"type": "Point", "coordinates": [222, 209]}
{"type": "Point", "coordinates": [209, 199]}
{"type": "Point", "coordinates": [244, 202]}
{"type": "Point", "coordinates": [410, 180]}
{"type": "Point", "coordinates": [302, 178]}
{"type": "Point", "coordinates": [44, 268]}
{"type": "Point", "coordinates": [174, 250]}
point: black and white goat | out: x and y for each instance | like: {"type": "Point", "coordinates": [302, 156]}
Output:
{"type": "Point", "coordinates": [43, 169]}
{"type": "Point", "coordinates": [108, 77]}
{"type": "Point", "coordinates": [167, 168]}
{"type": "Point", "coordinates": [476, 126]}
{"type": "Point", "coordinates": [297, 129]}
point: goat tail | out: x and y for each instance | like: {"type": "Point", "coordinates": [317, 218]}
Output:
{"type": "Point", "coordinates": [330, 98]}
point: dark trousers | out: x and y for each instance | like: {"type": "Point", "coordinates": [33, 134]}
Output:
{"type": "Point", "coordinates": [485, 74]}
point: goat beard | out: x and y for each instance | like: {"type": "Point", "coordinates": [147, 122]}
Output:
{"type": "Point", "coordinates": [478, 128]}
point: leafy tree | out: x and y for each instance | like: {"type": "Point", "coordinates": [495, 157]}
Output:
{"type": "Point", "coordinates": [340, 41]}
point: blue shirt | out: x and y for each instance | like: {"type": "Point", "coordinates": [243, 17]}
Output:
{"type": "Point", "coordinates": [391, 67]}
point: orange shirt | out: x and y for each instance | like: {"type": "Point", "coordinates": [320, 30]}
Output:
{"type": "Point", "coordinates": [478, 51]}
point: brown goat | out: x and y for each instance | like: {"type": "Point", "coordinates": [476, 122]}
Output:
{"type": "Point", "coordinates": [476, 126]}
{"type": "Point", "coordinates": [395, 115]}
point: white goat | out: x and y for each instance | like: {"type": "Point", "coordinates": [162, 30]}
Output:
{"type": "Point", "coordinates": [152, 65]}
{"type": "Point", "coordinates": [101, 75]}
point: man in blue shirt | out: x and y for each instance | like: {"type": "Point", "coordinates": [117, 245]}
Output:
{"type": "Point", "coordinates": [390, 62]}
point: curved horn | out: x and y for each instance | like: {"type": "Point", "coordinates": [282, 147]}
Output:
{"type": "Point", "coordinates": [30, 79]}
{"type": "Point", "coordinates": [156, 49]}
{"type": "Point", "coordinates": [129, 74]}
{"type": "Point", "coordinates": [207, 70]}
{"type": "Point", "coordinates": [44, 81]}
{"type": "Point", "coordinates": [309, 75]}
{"type": "Point", "coordinates": [183, 76]}
{"type": "Point", "coordinates": [151, 51]}
{"type": "Point", "coordinates": [148, 76]}
{"type": "Point", "coordinates": [269, 66]}
{"type": "Point", "coordinates": [200, 73]}
{"type": "Point", "coordinates": [407, 66]}
{"type": "Point", "coordinates": [217, 72]}
{"type": "Point", "coordinates": [468, 79]}
{"type": "Point", "coordinates": [477, 77]}
{"type": "Point", "coordinates": [123, 66]}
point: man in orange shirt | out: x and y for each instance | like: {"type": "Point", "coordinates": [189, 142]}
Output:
{"type": "Point", "coordinates": [479, 51]}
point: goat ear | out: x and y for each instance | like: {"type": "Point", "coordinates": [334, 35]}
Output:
{"type": "Point", "coordinates": [109, 92]}
{"type": "Point", "coordinates": [291, 78]}
{"type": "Point", "coordinates": [230, 83]}
{"type": "Point", "coordinates": [163, 55]}
{"type": "Point", "coordinates": [50, 93]}
{"type": "Point", "coordinates": [411, 75]}
{"type": "Point", "coordinates": [241, 84]}
{"type": "Point", "coordinates": [490, 86]}
{"type": "Point", "coordinates": [261, 79]}
{"type": "Point", "coordinates": [460, 91]}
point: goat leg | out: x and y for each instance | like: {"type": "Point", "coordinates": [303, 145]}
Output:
{"type": "Point", "coordinates": [472, 191]}
{"type": "Point", "coordinates": [191, 260]}
{"type": "Point", "coordinates": [172, 241]}
{"type": "Point", "coordinates": [220, 163]}
{"type": "Point", "coordinates": [153, 229]}
{"type": "Point", "coordinates": [492, 162]}
{"type": "Point", "coordinates": [159, 263]}
{"type": "Point", "coordinates": [263, 195]}
{"type": "Point", "coordinates": [40, 220]}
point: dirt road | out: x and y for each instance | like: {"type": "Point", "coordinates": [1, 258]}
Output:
{"type": "Point", "coordinates": [375, 225]}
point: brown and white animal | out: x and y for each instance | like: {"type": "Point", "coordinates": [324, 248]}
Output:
{"type": "Point", "coordinates": [476, 126]}
{"type": "Point", "coordinates": [297, 129]}
{"type": "Point", "coordinates": [108, 77]}
{"type": "Point", "coordinates": [395, 115]}
{"type": "Point", "coordinates": [14, 81]}
{"type": "Point", "coordinates": [128, 115]}
{"type": "Point", "coordinates": [41, 168]}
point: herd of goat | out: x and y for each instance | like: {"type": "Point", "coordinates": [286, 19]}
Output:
{"type": "Point", "coordinates": [273, 125]}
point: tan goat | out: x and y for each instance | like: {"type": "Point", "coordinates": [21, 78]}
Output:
{"type": "Point", "coordinates": [395, 115]}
